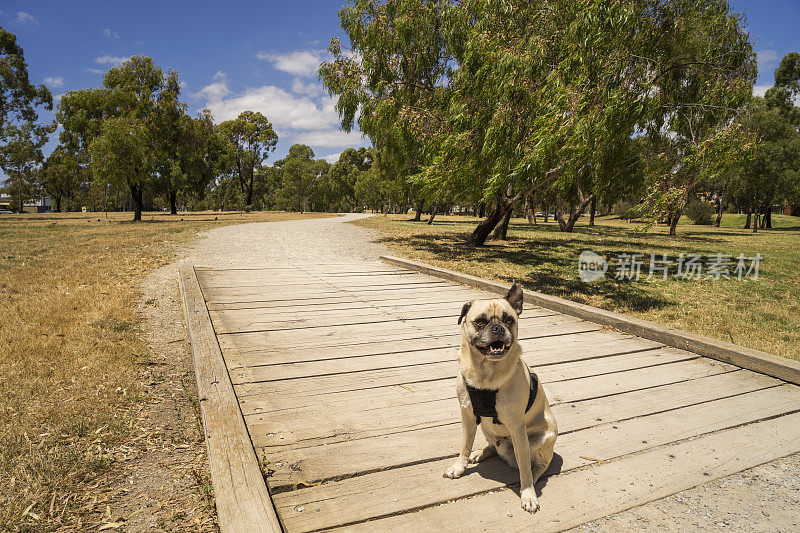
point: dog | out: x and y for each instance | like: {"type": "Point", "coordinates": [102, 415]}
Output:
{"type": "Point", "coordinates": [497, 391]}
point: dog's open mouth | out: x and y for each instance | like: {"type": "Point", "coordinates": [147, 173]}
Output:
{"type": "Point", "coordinates": [494, 349]}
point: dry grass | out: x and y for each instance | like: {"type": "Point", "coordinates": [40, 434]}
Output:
{"type": "Point", "coordinates": [761, 314]}
{"type": "Point", "coordinates": [69, 348]}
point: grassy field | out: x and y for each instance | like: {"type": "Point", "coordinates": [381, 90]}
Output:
{"type": "Point", "coordinates": [70, 347]}
{"type": "Point", "coordinates": [762, 314]}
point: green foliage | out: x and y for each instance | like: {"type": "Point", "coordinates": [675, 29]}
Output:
{"type": "Point", "coordinates": [61, 175]}
{"type": "Point", "coordinates": [700, 212]}
{"type": "Point", "coordinates": [625, 210]}
{"type": "Point", "coordinates": [21, 137]}
{"type": "Point", "coordinates": [251, 139]}
{"type": "Point", "coordinates": [476, 101]}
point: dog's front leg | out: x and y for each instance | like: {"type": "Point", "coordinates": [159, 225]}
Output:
{"type": "Point", "coordinates": [468, 428]}
{"type": "Point", "coordinates": [522, 452]}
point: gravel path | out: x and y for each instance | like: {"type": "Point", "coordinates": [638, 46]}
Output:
{"type": "Point", "coordinates": [765, 498]}
{"type": "Point", "coordinates": [321, 240]}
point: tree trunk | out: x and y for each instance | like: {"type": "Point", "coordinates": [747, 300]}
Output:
{"type": "Point", "coordinates": [592, 211]}
{"type": "Point", "coordinates": [546, 212]}
{"type": "Point", "coordinates": [173, 202]}
{"type": "Point", "coordinates": [501, 230]}
{"type": "Point", "coordinates": [768, 218]}
{"type": "Point", "coordinates": [138, 202]}
{"type": "Point", "coordinates": [718, 220]}
{"type": "Point", "coordinates": [747, 222]}
{"type": "Point", "coordinates": [482, 230]}
{"type": "Point", "coordinates": [673, 223]}
{"type": "Point", "coordinates": [530, 210]}
{"type": "Point", "coordinates": [434, 211]}
{"type": "Point", "coordinates": [418, 212]}
{"type": "Point", "coordinates": [755, 221]}
{"type": "Point", "coordinates": [482, 211]}
{"type": "Point", "coordinates": [575, 213]}
{"type": "Point", "coordinates": [58, 203]}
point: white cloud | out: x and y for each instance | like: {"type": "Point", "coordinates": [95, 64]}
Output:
{"type": "Point", "coordinates": [110, 34]}
{"type": "Point", "coordinates": [308, 89]}
{"type": "Point", "coordinates": [766, 59]}
{"type": "Point", "coordinates": [26, 18]}
{"type": "Point", "coordinates": [301, 119]}
{"type": "Point", "coordinates": [110, 60]}
{"type": "Point", "coordinates": [220, 76]}
{"type": "Point", "coordinates": [213, 92]}
{"type": "Point", "coordinates": [94, 70]}
{"type": "Point", "coordinates": [331, 138]}
{"type": "Point", "coordinates": [54, 81]}
{"type": "Point", "coordinates": [759, 90]}
{"type": "Point", "coordinates": [299, 62]}
{"type": "Point", "coordinates": [333, 158]}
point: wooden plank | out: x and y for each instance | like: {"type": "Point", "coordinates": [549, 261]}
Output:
{"type": "Point", "coordinates": [362, 420]}
{"type": "Point", "coordinates": [345, 302]}
{"type": "Point", "coordinates": [331, 460]}
{"type": "Point", "coordinates": [543, 352]}
{"type": "Point", "coordinates": [741, 356]}
{"type": "Point", "coordinates": [227, 322]}
{"type": "Point", "coordinates": [241, 497]}
{"type": "Point", "coordinates": [361, 498]}
{"type": "Point", "coordinates": [589, 343]}
{"type": "Point", "coordinates": [579, 497]}
{"type": "Point", "coordinates": [351, 335]}
{"type": "Point", "coordinates": [231, 296]}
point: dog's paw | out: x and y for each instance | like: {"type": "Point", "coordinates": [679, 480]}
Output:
{"type": "Point", "coordinates": [528, 500]}
{"type": "Point", "coordinates": [476, 457]}
{"type": "Point", "coordinates": [455, 471]}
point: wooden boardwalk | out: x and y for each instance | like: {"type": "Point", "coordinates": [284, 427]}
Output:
{"type": "Point", "coordinates": [345, 375]}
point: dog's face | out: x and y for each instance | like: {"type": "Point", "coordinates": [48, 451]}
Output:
{"type": "Point", "coordinates": [490, 326]}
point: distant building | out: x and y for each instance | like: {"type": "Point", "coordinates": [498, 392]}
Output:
{"type": "Point", "coordinates": [5, 201]}
{"type": "Point", "coordinates": [41, 204]}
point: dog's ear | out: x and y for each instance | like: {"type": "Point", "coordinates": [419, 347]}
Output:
{"type": "Point", "coordinates": [464, 311]}
{"type": "Point", "coordinates": [514, 297]}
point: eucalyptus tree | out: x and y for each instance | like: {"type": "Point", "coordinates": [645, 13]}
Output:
{"type": "Point", "coordinates": [121, 156]}
{"type": "Point", "coordinates": [297, 179]}
{"type": "Point", "coordinates": [251, 138]}
{"type": "Point", "coordinates": [393, 82]}
{"type": "Point", "coordinates": [21, 136]}
{"type": "Point", "coordinates": [786, 90]}
{"type": "Point", "coordinates": [62, 176]}
{"type": "Point", "coordinates": [339, 190]}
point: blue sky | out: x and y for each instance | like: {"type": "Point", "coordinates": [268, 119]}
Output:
{"type": "Point", "coordinates": [253, 55]}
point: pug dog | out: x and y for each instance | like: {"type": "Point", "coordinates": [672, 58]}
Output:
{"type": "Point", "coordinates": [497, 391]}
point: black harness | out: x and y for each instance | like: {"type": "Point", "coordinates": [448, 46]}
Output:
{"type": "Point", "coordinates": [483, 400]}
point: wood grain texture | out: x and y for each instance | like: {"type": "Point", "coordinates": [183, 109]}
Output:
{"type": "Point", "coordinates": [573, 499]}
{"type": "Point", "coordinates": [240, 493]}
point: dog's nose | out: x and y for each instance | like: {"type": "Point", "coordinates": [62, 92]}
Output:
{"type": "Point", "coordinates": [497, 329]}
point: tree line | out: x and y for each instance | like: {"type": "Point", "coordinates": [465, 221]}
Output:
{"type": "Point", "coordinates": [569, 105]}
{"type": "Point", "coordinates": [131, 143]}
{"type": "Point", "coordinates": [642, 108]}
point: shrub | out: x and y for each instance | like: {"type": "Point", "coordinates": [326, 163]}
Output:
{"type": "Point", "coordinates": [701, 213]}
{"type": "Point", "coordinates": [625, 210]}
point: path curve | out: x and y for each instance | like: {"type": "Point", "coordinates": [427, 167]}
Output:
{"type": "Point", "coordinates": [288, 242]}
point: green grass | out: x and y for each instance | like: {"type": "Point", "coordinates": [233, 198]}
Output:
{"type": "Point", "coordinates": [761, 314]}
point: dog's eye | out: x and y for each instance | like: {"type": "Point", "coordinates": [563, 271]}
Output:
{"type": "Point", "coordinates": [508, 321]}
{"type": "Point", "coordinates": [481, 322]}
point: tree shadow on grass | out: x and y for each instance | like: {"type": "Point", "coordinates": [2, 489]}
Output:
{"type": "Point", "coordinates": [550, 265]}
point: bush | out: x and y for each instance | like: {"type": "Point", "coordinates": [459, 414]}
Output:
{"type": "Point", "coordinates": [625, 210]}
{"type": "Point", "coordinates": [701, 213]}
